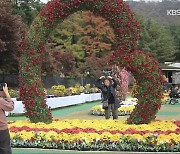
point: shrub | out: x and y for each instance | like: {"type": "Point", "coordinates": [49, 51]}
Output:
{"type": "Point", "coordinates": [59, 90]}
{"type": "Point", "coordinates": [14, 93]}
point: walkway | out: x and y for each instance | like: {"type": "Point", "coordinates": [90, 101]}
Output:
{"type": "Point", "coordinates": [81, 111]}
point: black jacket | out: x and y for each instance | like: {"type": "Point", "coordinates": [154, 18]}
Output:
{"type": "Point", "coordinates": [104, 91]}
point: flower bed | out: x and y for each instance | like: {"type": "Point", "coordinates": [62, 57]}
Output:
{"type": "Point", "coordinates": [165, 98]}
{"type": "Point", "coordinates": [115, 135]}
{"type": "Point", "coordinates": [123, 110]}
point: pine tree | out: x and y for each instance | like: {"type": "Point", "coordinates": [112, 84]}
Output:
{"type": "Point", "coordinates": [175, 32]}
{"type": "Point", "coordinates": [27, 9]}
{"type": "Point", "coordinates": [156, 40]}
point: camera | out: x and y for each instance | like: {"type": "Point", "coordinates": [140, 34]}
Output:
{"type": "Point", "coordinates": [107, 73]}
{"type": "Point", "coordinates": [1, 86]}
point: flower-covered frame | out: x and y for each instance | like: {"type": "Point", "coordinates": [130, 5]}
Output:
{"type": "Point", "coordinates": [126, 28]}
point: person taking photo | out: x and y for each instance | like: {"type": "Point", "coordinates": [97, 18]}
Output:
{"type": "Point", "coordinates": [109, 100]}
{"type": "Point", "coordinates": [6, 104]}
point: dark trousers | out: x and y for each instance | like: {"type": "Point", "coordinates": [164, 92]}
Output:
{"type": "Point", "coordinates": [111, 107]}
{"type": "Point", "coordinates": [5, 147]}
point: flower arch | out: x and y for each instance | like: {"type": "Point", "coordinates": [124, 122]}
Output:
{"type": "Point", "coordinates": [126, 29]}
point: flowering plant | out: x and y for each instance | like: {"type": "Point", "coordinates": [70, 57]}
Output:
{"type": "Point", "coordinates": [13, 93]}
{"type": "Point", "coordinates": [88, 89]}
{"type": "Point", "coordinates": [122, 76]}
{"type": "Point", "coordinates": [126, 29]}
{"type": "Point", "coordinates": [94, 90]}
{"type": "Point", "coordinates": [150, 82]}
{"type": "Point", "coordinates": [165, 98]}
{"type": "Point", "coordinates": [134, 92]}
{"type": "Point", "coordinates": [79, 88]}
{"type": "Point", "coordinates": [59, 90]}
{"type": "Point", "coordinates": [123, 110]}
{"type": "Point", "coordinates": [109, 135]}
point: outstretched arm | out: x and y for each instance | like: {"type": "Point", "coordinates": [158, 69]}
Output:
{"type": "Point", "coordinates": [99, 82]}
{"type": "Point", "coordinates": [114, 81]}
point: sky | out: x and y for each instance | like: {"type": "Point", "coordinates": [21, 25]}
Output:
{"type": "Point", "coordinates": [45, 1]}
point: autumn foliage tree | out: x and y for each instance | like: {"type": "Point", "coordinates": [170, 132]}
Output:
{"type": "Point", "coordinates": [49, 66]}
{"type": "Point", "coordinates": [89, 38]}
{"type": "Point", "coordinates": [98, 36]}
{"type": "Point", "coordinates": [94, 66]}
{"type": "Point", "coordinates": [68, 36]}
{"type": "Point", "coordinates": [58, 62]}
{"type": "Point", "coordinates": [65, 62]}
{"type": "Point", "coordinates": [11, 32]}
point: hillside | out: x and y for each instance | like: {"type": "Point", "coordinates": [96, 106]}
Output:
{"type": "Point", "coordinates": [157, 10]}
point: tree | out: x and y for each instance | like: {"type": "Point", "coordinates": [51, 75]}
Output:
{"type": "Point", "coordinates": [68, 36]}
{"type": "Point", "coordinates": [94, 66]}
{"type": "Point", "coordinates": [85, 35]}
{"type": "Point", "coordinates": [59, 62]}
{"type": "Point", "coordinates": [49, 66]}
{"type": "Point", "coordinates": [11, 32]}
{"type": "Point", "coordinates": [175, 32]}
{"type": "Point", "coordinates": [27, 9]}
{"type": "Point", "coordinates": [156, 40]}
{"type": "Point", "coordinates": [98, 36]}
{"type": "Point", "coordinates": [65, 62]}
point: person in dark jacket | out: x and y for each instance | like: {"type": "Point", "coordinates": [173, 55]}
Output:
{"type": "Point", "coordinates": [175, 93]}
{"type": "Point", "coordinates": [107, 87]}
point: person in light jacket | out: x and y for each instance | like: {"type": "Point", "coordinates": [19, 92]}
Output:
{"type": "Point", "coordinates": [5, 105]}
{"type": "Point", "coordinates": [107, 87]}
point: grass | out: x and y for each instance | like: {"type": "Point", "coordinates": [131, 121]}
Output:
{"type": "Point", "coordinates": [59, 112]}
{"type": "Point", "coordinates": [80, 111]}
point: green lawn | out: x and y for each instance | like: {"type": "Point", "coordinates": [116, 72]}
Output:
{"type": "Point", "coordinates": [81, 111]}
{"type": "Point", "coordinates": [62, 111]}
